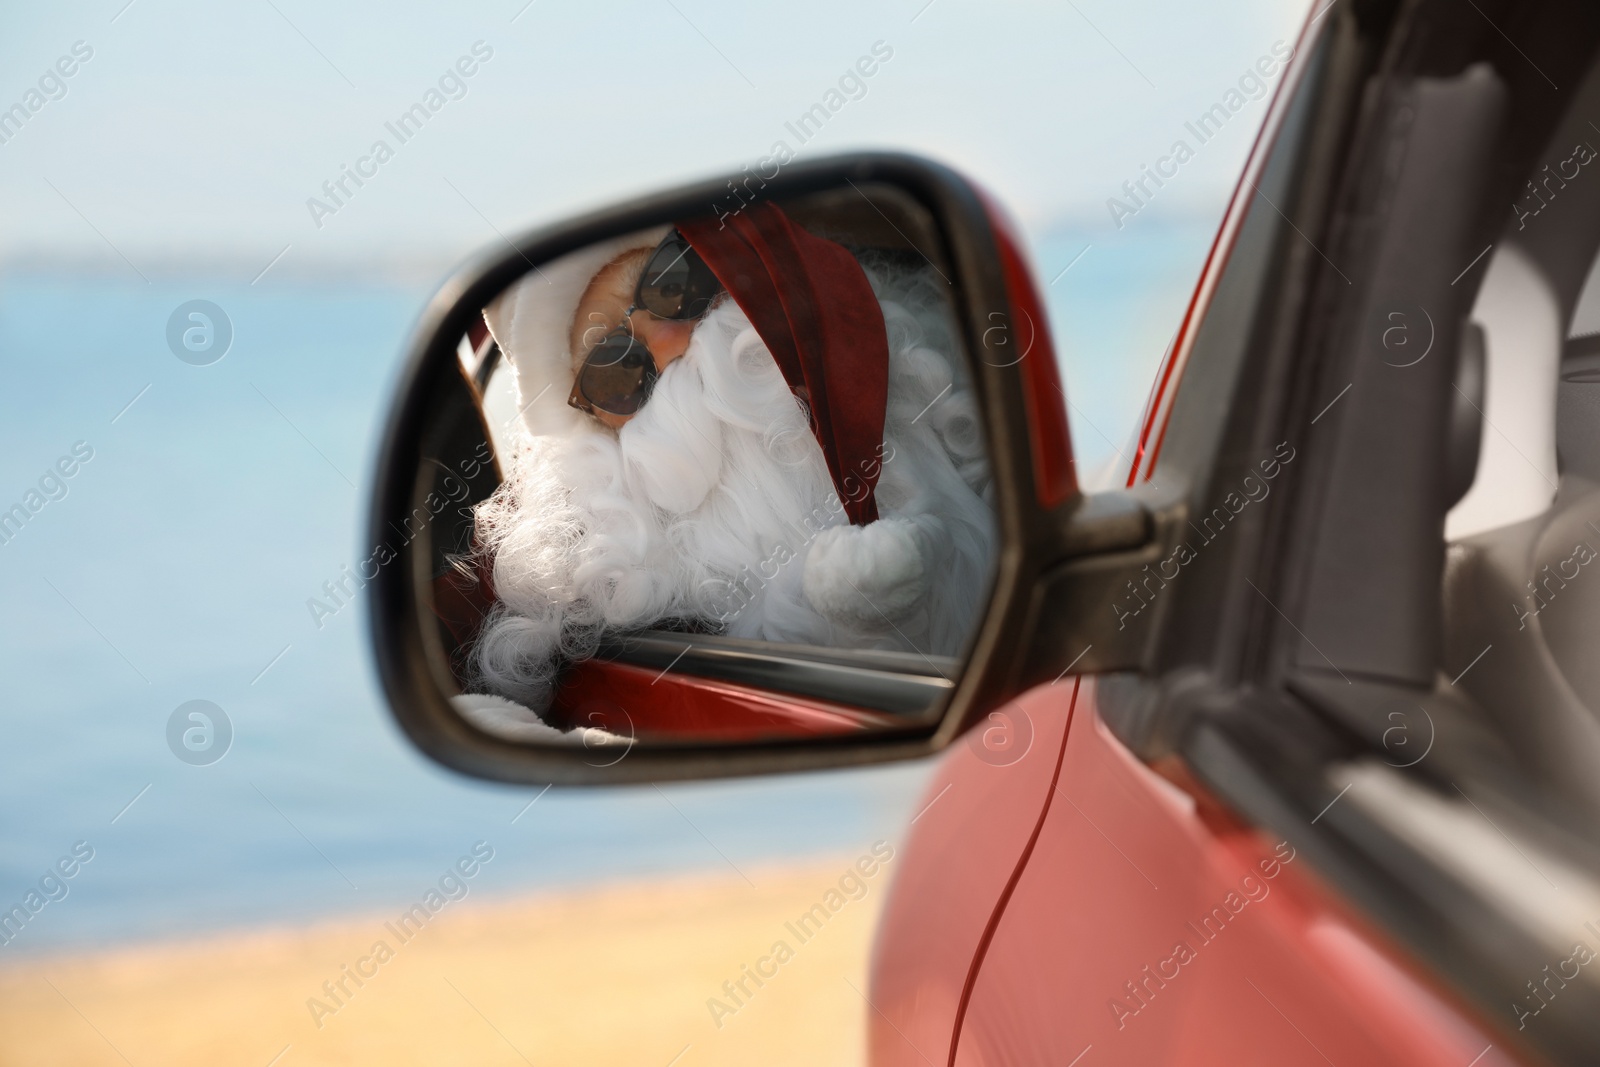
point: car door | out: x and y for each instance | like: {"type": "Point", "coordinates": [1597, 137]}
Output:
{"type": "Point", "coordinates": [1178, 901]}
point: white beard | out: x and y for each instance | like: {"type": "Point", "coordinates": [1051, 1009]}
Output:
{"type": "Point", "coordinates": [714, 507]}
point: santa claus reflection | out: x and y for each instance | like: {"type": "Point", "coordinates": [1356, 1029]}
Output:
{"type": "Point", "coordinates": [739, 428]}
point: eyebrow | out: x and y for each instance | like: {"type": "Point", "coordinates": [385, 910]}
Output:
{"type": "Point", "coordinates": [631, 272]}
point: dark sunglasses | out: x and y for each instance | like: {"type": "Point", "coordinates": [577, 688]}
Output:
{"type": "Point", "coordinates": [618, 373]}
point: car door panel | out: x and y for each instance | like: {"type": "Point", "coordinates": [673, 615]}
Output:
{"type": "Point", "coordinates": [972, 829]}
{"type": "Point", "coordinates": [1151, 927]}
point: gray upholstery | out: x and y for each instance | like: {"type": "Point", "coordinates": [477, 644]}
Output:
{"type": "Point", "coordinates": [1540, 678]}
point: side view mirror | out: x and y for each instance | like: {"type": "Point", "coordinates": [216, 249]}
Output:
{"type": "Point", "coordinates": [756, 475]}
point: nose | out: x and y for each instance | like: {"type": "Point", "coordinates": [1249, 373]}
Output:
{"type": "Point", "coordinates": [667, 339]}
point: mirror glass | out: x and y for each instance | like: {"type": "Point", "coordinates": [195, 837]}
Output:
{"type": "Point", "coordinates": [719, 480]}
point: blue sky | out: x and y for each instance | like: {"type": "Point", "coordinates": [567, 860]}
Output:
{"type": "Point", "coordinates": [192, 140]}
{"type": "Point", "coordinates": [199, 130]}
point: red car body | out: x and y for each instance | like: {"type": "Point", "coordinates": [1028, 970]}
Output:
{"type": "Point", "coordinates": [1080, 907]}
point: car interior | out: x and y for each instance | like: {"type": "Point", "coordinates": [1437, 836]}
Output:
{"type": "Point", "coordinates": [1406, 683]}
{"type": "Point", "coordinates": [1519, 586]}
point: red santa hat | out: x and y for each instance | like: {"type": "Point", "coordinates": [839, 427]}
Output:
{"type": "Point", "coordinates": [806, 296]}
{"type": "Point", "coordinates": [812, 304]}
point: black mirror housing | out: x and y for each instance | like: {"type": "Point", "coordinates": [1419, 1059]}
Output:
{"type": "Point", "coordinates": [1043, 520]}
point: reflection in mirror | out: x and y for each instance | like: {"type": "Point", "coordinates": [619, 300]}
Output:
{"type": "Point", "coordinates": [718, 480]}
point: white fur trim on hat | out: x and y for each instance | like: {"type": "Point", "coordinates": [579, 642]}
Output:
{"type": "Point", "coordinates": [532, 323]}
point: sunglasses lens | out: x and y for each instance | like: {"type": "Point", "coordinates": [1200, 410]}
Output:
{"type": "Point", "coordinates": [676, 283]}
{"type": "Point", "coordinates": [617, 375]}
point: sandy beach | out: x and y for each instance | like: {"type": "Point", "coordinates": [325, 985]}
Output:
{"type": "Point", "coordinates": [619, 974]}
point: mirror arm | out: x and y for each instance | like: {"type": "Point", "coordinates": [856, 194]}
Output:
{"type": "Point", "coordinates": [1093, 523]}
{"type": "Point", "coordinates": [1096, 605]}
